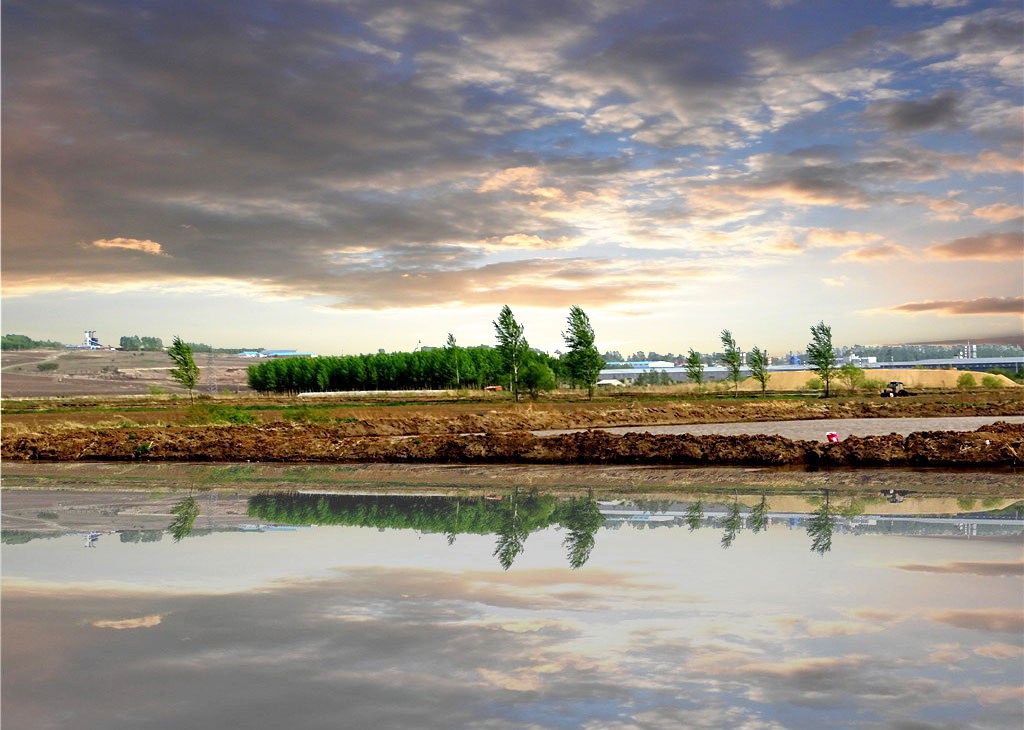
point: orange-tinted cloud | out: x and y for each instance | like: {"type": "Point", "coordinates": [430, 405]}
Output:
{"type": "Point", "coordinates": [982, 305]}
{"type": "Point", "coordinates": [143, 622]}
{"type": "Point", "coordinates": [132, 244]}
{"type": "Point", "coordinates": [992, 568]}
{"type": "Point", "coordinates": [829, 237]}
{"type": "Point", "coordinates": [1000, 651]}
{"type": "Point", "coordinates": [1004, 246]}
{"type": "Point", "coordinates": [880, 252]}
{"type": "Point", "coordinates": [982, 619]}
{"type": "Point", "coordinates": [999, 212]}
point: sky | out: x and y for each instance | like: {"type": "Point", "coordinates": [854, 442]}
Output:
{"type": "Point", "coordinates": [342, 176]}
{"type": "Point", "coordinates": [661, 629]}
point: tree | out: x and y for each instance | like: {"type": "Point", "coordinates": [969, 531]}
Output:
{"type": "Point", "coordinates": [583, 361]}
{"type": "Point", "coordinates": [453, 354]}
{"type": "Point", "coordinates": [131, 342]}
{"type": "Point", "coordinates": [151, 343]}
{"type": "Point", "coordinates": [537, 376]}
{"type": "Point", "coordinates": [733, 522]}
{"type": "Point", "coordinates": [820, 353]}
{"type": "Point", "coordinates": [852, 375]}
{"type": "Point", "coordinates": [695, 515]}
{"type": "Point", "coordinates": [821, 526]}
{"type": "Point", "coordinates": [695, 368]}
{"type": "Point", "coordinates": [758, 362]}
{"type": "Point", "coordinates": [966, 381]}
{"type": "Point", "coordinates": [759, 515]}
{"type": "Point", "coordinates": [512, 346]}
{"type": "Point", "coordinates": [185, 513]}
{"type": "Point", "coordinates": [184, 370]}
{"type": "Point", "coordinates": [581, 517]}
{"type": "Point", "coordinates": [731, 359]}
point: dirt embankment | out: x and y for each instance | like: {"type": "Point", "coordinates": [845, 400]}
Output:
{"type": "Point", "coordinates": [998, 444]}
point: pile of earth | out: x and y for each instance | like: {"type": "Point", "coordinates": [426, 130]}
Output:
{"type": "Point", "coordinates": [998, 444]}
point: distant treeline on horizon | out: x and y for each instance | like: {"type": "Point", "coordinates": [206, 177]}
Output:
{"type": "Point", "coordinates": [461, 367]}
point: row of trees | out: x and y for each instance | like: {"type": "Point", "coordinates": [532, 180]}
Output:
{"type": "Point", "coordinates": [820, 354]}
{"type": "Point", "coordinates": [24, 342]}
{"type": "Point", "coordinates": [511, 363]}
{"type": "Point", "coordinates": [134, 342]}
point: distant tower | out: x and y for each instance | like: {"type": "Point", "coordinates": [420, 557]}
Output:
{"type": "Point", "coordinates": [91, 341]}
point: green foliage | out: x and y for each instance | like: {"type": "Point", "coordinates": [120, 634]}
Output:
{"type": "Point", "coordinates": [821, 354]}
{"type": "Point", "coordinates": [583, 362]}
{"type": "Point", "coordinates": [852, 376]}
{"type": "Point", "coordinates": [820, 527]}
{"type": "Point", "coordinates": [142, 448]}
{"type": "Point", "coordinates": [757, 360]}
{"type": "Point", "coordinates": [873, 384]}
{"type": "Point", "coordinates": [134, 342]}
{"type": "Point", "coordinates": [199, 347]}
{"type": "Point", "coordinates": [22, 342]}
{"type": "Point", "coordinates": [654, 377]}
{"type": "Point", "coordinates": [813, 384]}
{"type": "Point", "coordinates": [966, 381]}
{"type": "Point", "coordinates": [47, 367]}
{"type": "Point", "coordinates": [695, 515]}
{"type": "Point", "coordinates": [46, 515]}
{"type": "Point", "coordinates": [966, 503]}
{"type": "Point", "coordinates": [732, 523]}
{"type": "Point", "coordinates": [184, 370]}
{"type": "Point", "coordinates": [305, 414]}
{"type": "Point", "coordinates": [206, 413]}
{"type": "Point", "coordinates": [731, 359]}
{"type": "Point", "coordinates": [430, 369]}
{"type": "Point", "coordinates": [1014, 376]}
{"type": "Point", "coordinates": [511, 519]}
{"type": "Point", "coordinates": [759, 515]}
{"type": "Point", "coordinates": [695, 368]}
{"type": "Point", "coordinates": [536, 376]}
{"type": "Point", "coordinates": [185, 513]}
{"type": "Point", "coordinates": [512, 346]}
{"type": "Point", "coordinates": [991, 382]}
{"type": "Point", "coordinates": [156, 390]}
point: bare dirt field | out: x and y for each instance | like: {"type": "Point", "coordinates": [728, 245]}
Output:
{"type": "Point", "coordinates": [105, 372]}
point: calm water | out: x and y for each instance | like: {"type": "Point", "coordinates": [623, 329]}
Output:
{"type": "Point", "coordinates": [400, 612]}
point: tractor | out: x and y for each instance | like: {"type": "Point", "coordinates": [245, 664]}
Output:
{"type": "Point", "coordinates": [894, 389]}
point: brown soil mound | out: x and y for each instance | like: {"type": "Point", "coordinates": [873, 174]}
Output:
{"type": "Point", "coordinates": [993, 445]}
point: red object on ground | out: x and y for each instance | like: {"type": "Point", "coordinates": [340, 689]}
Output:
{"type": "Point", "coordinates": [833, 437]}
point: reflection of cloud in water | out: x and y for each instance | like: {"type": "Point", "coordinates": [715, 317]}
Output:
{"type": "Point", "coordinates": [989, 568]}
{"type": "Point", "coordinates": [538, 648]}
{"type": "Point", "coordinates": [143, 622]}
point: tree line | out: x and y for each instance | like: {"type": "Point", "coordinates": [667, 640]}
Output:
{"type": "Point", "coordinates": [511, 364]}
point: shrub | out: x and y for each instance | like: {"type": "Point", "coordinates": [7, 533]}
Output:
{"type": "Point", "coordinates": [305, 414]}
{"type": "Point", "coordinates": [991, 382]}
{"type": "Point", "coordinates": [202, 414]}
{"type": "Point", "coordinates": [966, 381]}
{"type": "Point", "coordinates": [46, 367]}
{"type": "Point", "coordinates": [156, 390]}
{"type": "Point", "coordinates": [814, 384]}
{"type": "Point", "coordinates": [874, 384]}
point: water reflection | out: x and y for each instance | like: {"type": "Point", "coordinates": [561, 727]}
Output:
{"type": "Point", "coordinates": [185, 513]}
{"type": "Point", "coordinates": [513, 517]}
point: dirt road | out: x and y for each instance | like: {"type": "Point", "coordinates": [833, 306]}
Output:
{"type": "Point", "coordinates": [814, 430]}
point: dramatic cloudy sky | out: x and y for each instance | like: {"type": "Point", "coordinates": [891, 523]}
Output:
{"type": "Point", "coordinates": [356, 174]}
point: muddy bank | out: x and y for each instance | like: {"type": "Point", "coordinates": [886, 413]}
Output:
{"type": "Point", "coordinates": [607, 481]}
{"type": "Point", "coordinates": [995, 445]}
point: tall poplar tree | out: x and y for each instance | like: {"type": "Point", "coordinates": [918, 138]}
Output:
{"type": "Point", "coordinates": [758, 362]}
{"type": "Point", "coordinates": [821, 354]}
{"type": "Point", "coordinates": [512, 346]}
{"type": "Point", "coordinates": [184, 370]}
{"type": "Point", "coordinates": [731, 359]}
{"type": "Point", "coordinates": [583, 361]}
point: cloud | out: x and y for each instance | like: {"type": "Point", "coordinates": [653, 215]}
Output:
{"type": "Point", "coordinates": [880, 252]}
{"type": "Point", "coordinates": [836, 281]}
{"type": "Point", "coordinates": [982, 305]}
{"type": "Point", "coordinates": [1003, 246]}
{"type": "Point", "coordinates": [942, 110]}
{"type": "Point", "coordinates": [999, 212]}
{"type": "Point", "coordinates": [930, 3]}
{"type": "Point", "coordinates": [132, 244]}
{"type": "Point", "coordinates": [829, 237]}
{"type": "Point", "coordinates": [982, 619]}
{"type": "Point", "coordinates": [1007, 568]}
{"type": "Point", "coordinates": [143, 622]}
{"type": "Point", "coordinates": [1000, 651]}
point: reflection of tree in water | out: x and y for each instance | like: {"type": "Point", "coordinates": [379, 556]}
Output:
{"type": "Point", "coordinates": [732, 524]}
{"type": "Point", "coordinates": [512, 533]}
{"type": "Point", "coordinates": [695, 515]}
{"type": "Point", "coordinates": [759, 515]}
{"type": "Point", "coordinates": [185, 513]}
{"type": "Point", "coordinates": [820, 527]}
{"type": "Point", "coordinates": [581, 517]}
